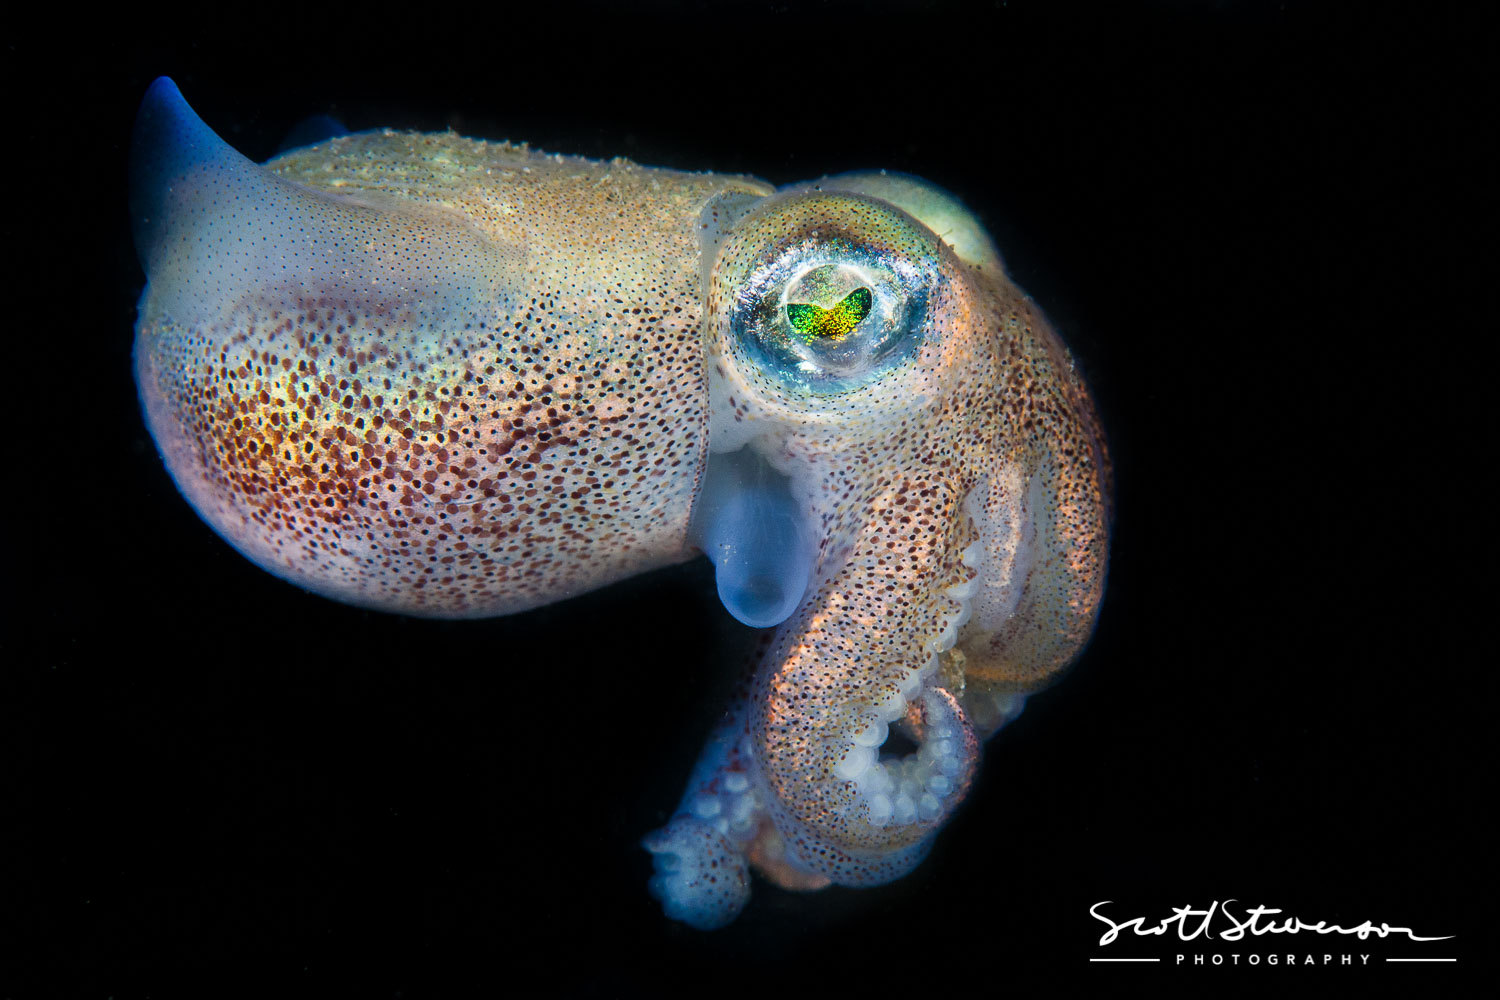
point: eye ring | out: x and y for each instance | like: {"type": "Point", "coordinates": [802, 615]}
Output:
{"type": "Point", "coordinates": [858, 274]}
{"type": "Point", "coordinates": [831, 317]}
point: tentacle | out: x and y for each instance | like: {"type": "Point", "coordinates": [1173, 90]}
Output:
{"type": "Point", "coordinates": [702, 876]}
{"type": "Point", "coordinates": [721, 826]}
{"type": "Point", "coordinates": [1042, 514]}
{"type": "Point", "coordinates": [861, 654]}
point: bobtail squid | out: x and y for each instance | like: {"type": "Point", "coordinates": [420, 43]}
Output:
{"type": "Point", "coordinates": [444, 377]}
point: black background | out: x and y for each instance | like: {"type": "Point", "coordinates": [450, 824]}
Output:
{"type": "Point", "coordinates": [1247, 222]}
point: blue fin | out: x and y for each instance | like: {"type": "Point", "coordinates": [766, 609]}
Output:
{"type": "Point", "coordinates": [169, 142]}
{"type": "Point", "coordinates": [222, 237]}
{"type": "Point", "coordinates": [311, 131]}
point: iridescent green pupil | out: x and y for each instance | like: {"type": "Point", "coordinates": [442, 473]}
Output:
{"type": "Point", "coordinates": [813, 322]}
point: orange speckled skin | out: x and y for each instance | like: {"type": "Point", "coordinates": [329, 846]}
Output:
{"type": "Point", "coordinates": [541, 441]}
{"type": "Point", "coordinates": [430, 375]}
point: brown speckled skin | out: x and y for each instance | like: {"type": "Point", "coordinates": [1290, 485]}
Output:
{"type": "Point", "coordinates": [537, 444]}
{"type": "Point", "coordinates": [452, 378]}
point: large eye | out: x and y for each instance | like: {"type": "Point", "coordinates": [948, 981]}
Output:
{"type": "Point", "coordinates": [828, 312]}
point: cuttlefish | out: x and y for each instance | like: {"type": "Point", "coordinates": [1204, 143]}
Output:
{"type": "Point", "coordinates": [437, 376]}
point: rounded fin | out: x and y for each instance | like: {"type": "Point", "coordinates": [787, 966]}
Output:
{"type": "Point", "coordinates": [312, 130]}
